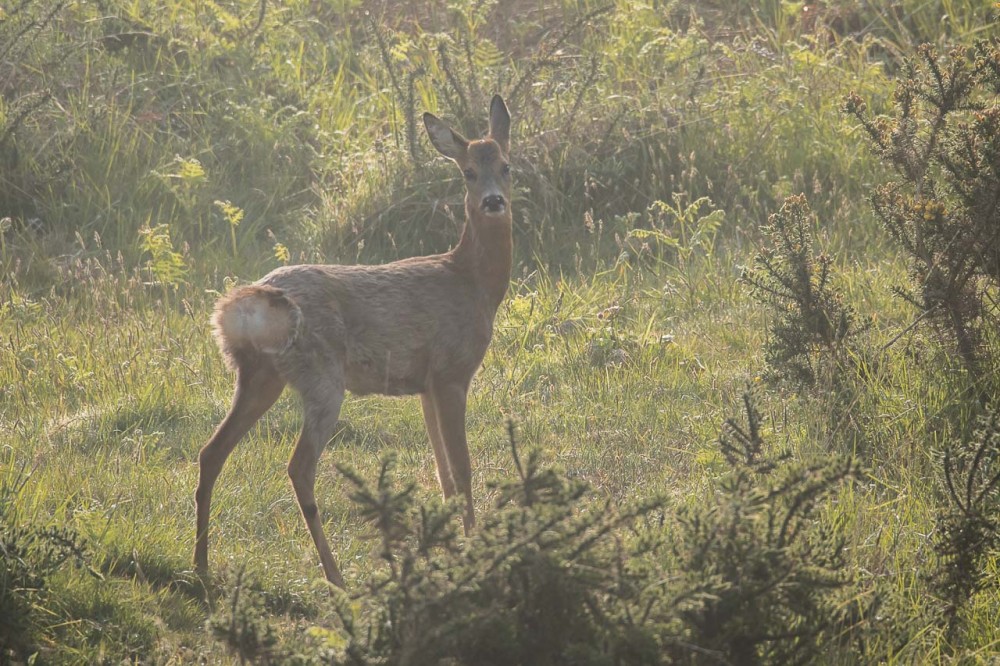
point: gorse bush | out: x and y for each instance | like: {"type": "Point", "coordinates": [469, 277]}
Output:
{"type": "Point", "coordinates": [812, 327]}
{"type": "Point", "coordinates": [32, 552]}
{"type": "Point", "coordinates": [761, 578]}
{"type": "Point", "coordinates": [943, 143]}
{"type": "Point", "coordinates": [968, 520]}
{"type": "Point", "coordinates": [555, 576]}
{"type": "Point", "coordinates": [539, 581]}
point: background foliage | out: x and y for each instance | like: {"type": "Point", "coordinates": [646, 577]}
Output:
{"type": "Point", "coordinates": [797, 197]}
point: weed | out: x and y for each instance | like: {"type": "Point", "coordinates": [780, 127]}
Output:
{"type": "Point", "coordinates": [166, 265]}
{"type": "Point", "coordinates": [233, 215]}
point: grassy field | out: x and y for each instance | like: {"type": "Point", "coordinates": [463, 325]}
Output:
{"type": "Point", "coordinates": [155, 152]}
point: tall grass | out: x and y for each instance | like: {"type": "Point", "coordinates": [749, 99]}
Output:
{"type": "Point", "coordinates": [314, 138]}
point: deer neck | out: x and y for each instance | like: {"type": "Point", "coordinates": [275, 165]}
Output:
{"type": "Point", "coordinates": [485, 253]}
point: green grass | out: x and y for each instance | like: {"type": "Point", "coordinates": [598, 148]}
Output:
{"type": "Point", "coordinates": [619, 362]}
{"type": "Point", "coordinates": [108, 414]}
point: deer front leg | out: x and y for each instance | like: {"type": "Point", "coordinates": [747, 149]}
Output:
{"type": "Point", "coordinates": [440, 454]}
{"type": "Point", "coordinates": [257, 388]}
{"type": "Point", "coordinates": [449, 401]}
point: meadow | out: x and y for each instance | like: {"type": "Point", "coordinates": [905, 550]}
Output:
{"type": "Point", "coordinates": [728, 381]}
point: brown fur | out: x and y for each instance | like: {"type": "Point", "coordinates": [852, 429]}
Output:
{"type": "Point", "coordinates": [416, 326]}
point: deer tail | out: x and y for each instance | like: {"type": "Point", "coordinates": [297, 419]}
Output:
{"type": "Point", "coordinates": [255, 318]}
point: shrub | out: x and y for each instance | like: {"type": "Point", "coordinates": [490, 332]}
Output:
{"type": "Point", "coordinates": [537, 583]}
{"type": "Point", "coordinates": [553, 576]}
{"type": "Point", "coordinates": [943, 143]}
{"type": "Point", "coordinates": [811, 325]}
{"type": "Point", "coordinates": [32, 553]}
{"type": "Point", "coordinates": [759, 574]}
{"type": "Point", "coordinates": [969, 520]}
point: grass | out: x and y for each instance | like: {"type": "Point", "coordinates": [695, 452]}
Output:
{"type": "Point", "coordinates": [618, 353]}
{"type": "Point", "coordinates": [109, 427]}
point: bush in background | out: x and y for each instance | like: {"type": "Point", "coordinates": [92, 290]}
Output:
{"type": "Point", "coordinates": [943, 144]}
{"type": "Point", "coordinates": [304, 118]}
{"type": "Point", "coordinates": [811, 328]}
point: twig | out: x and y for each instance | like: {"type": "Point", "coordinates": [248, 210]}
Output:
{"type": "Point", "coordinates": [906, 330]}
{"type": "Point", "coordinates": [260, 20]}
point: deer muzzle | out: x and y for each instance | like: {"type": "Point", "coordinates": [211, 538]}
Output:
{"type": "Point", "coordinates": [494, 204]}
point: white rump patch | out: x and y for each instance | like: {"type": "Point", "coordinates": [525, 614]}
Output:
{"type": "Point", "coordinates": [256, 317]}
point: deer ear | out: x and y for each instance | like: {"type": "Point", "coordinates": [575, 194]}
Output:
{"type": "Point", "coordinates": [447, 141]}
{"type": "Point", "coordinates": [500, 123]}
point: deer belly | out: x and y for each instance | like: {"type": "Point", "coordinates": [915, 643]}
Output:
{"type": "Point", "coordinates": [366, 376]}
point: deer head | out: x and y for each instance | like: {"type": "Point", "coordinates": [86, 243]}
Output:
{"type": "Point", "coordinates": [484, 162]}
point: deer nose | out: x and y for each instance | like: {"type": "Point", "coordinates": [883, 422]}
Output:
{"type": "Point", "coordinates": [494, 203]}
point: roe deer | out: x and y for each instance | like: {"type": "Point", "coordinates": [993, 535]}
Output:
{"type": "Point", "coordinates": [419, 325]}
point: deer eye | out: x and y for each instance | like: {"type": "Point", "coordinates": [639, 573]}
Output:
{"type": "Point", "coordinates": [506, 169]}
{"type": "Point", "coordinates": [469, 174]}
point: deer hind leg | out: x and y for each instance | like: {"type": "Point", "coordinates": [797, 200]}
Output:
{"type": "Point", "coordinates": [449, 401]}
{"type": "Point", "coordinates": [437, 443]}
{"type": "Point", "coordinates": [321, 408]}
{"type": "Point", "coordinates": [258, 386]}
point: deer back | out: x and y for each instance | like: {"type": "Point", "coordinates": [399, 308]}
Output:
{"type": "Point", "coordinates": [390, 327]}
